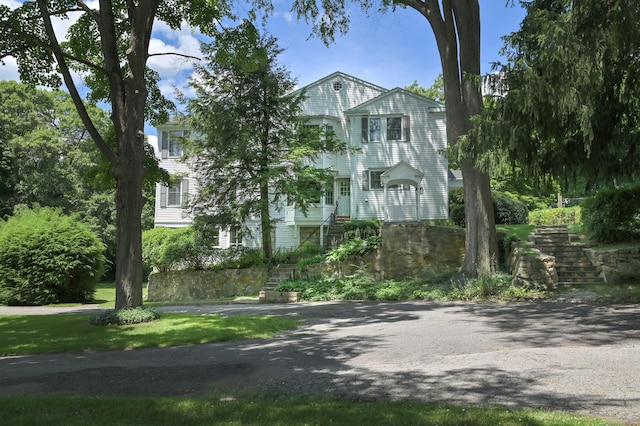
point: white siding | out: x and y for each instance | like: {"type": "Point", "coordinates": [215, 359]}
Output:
{"type": "Point", "coordinates": [343, 109]}
{"type": "Point", "coordinates": [173, 216]}
{"type": "Point", "coordinates": [424, 151]}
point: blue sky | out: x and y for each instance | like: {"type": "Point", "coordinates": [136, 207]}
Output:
{"type": "Point", "coordinates": [390, 50]}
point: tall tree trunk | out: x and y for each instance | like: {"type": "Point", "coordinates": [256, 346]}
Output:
{"type": "Point", "coordinates": [129, 203]}
{"type": "Point", "coordinates": [128, 99]}
{"type": "Point", "coordinates": [265, 218]}
{"type": "Point", "coordinates": [456, 26]}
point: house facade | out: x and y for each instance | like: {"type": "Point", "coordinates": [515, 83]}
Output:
{"type": "Point", "coordinates": [394, 170]}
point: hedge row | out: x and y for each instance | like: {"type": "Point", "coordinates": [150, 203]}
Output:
{"type": "Point", "coordinates": [507, 210]}
{"type": "Point", "coordinates": [613, 215]}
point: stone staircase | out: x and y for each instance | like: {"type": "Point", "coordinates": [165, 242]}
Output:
{"type": "Point", "coordinates": [280, 273]}
{"type": "Point", "coordinates": [335, 236]}
{"type": "Point", "coordinates": [572, 264]}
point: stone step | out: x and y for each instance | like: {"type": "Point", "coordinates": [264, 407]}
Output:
{"type": "Point", "coordinates": [279, 274]}
{"type": "Point", "coordinates": [571, 263]}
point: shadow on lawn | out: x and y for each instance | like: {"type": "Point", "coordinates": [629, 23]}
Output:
{"type": "Point", "coordinates": [321, 363]}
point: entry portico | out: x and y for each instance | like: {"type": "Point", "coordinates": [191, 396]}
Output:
{"type": "Point", "coordinates": [402, 174]}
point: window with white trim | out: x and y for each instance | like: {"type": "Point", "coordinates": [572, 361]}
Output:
{"type": "Point", "coordinates": [175, 195]}
{"type": "Point", "coordinates": [377, 129]}
{"type": "Point", "coordinates": [171, 143]}
{"type": "Point", "coordinates": [372, 180]}
{"type": "Point", "coordinates": [235, 237]}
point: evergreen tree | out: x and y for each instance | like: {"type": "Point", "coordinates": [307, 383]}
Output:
{"type": "Point", "coordinates": [251, 149]}
{"type": "Point", "coordinates": [568, 99]}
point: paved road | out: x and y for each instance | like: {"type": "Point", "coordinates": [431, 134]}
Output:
{"type": "Point", "coordinates": [570, 356]}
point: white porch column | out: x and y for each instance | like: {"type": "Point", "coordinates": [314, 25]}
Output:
{"type": "Point", "coordinates": [384, 205]}
{"type": "Point", "coordinates": [417, 202]}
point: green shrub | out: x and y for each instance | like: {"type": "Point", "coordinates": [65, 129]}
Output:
{"type": "Point", "coordinates": [236, 258]}
{"type": "Point", "coordinates": [362, 228]}
{"type": "Point", "coordinates": [303, 263]}
{"type": "Point", "coordinates": [508, 210]}
{"type": "Point", "coordinates": [456, 214]}
{"type": "Point", "coordinates": [125, 316]}
{"type": "Point", "coordinates": [613, 215]}
{"type": "Point", "coordinates": [47, 257]}
{"type": "Point", "coordinates": [355, 247]}
{"type": "Point", "coordinates": [168, 249]}
{"type": "Point", "coordinates": [308, 248]}
{"type": "Point", "coordinates": [433, 285]}
{"type": "Point", "coordinates": [563, 216]}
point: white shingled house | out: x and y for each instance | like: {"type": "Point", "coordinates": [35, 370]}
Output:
{"type": "Point", "coordinates": [397, 172]}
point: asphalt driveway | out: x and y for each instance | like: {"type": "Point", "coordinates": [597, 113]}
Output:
{"type": "Point", "coordinates": [576, 357]}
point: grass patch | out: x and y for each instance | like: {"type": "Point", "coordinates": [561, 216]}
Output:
{"type": "Point", "coordinates": [517, 232]}
{"type": "Point", "coordinates": [39, 334]}
{"type": "Point", "coordinates": [73, 411]}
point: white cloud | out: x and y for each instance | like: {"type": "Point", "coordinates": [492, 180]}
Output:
{"type": "Point", "coordinates": [9, 71]}
{"type": "Point", "coordinates": [174, 70]}
{"type": "Point", "coordinates": [11, 3]}
{"type": "Point", "coordinates": [153, 141]}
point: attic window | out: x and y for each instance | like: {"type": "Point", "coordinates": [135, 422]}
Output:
{"type": "Point", "coordinates": [337, 86]}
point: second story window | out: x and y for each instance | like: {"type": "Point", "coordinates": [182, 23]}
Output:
{"type": "Point", "coordinates": [394, 128]}
{"type": "Point", "coordinates": [171, 143]}
{"type": "Point", "coordinates": [390, 129]}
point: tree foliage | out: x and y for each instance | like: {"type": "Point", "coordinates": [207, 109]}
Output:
{"type": "Point", "coordinates": [252, 148]}
{"type": "Point", "coordinates": [109, 46]}
{"type": "Point", "coordinates": [49, 160]}
{"type": "Point", "coordinates": [567, 101]}
{"type": "Point", "coordinates": [435, 92]}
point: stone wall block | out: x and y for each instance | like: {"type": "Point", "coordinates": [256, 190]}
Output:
{"type": "Point", "coordinates": [193, 285]}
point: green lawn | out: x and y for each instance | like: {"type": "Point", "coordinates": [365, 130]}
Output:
{"type": "Point", "coordinates": [37, 334]}
{"type": "Point", "coordinates": [274, 410]}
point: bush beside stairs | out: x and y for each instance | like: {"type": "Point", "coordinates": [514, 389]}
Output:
{"type": "Point", "coordinates": [572, 264]}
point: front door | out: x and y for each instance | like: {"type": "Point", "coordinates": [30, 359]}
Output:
{"type": "Point", "coordinates": [344, 197]}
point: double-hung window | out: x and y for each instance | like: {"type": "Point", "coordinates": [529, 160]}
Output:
{"type": "Point", "coordinates": [171, 143]}
{"type": "Point", "coordinates": [235, 237]}
{"type": "Point", "coordinates": [372, 179]}
{"type": "Point", "coordinates": [394, 128]}
{"type": "Point", "coordinates": [379, 129]}
{"type": "Point", "coordinates": [175, 195]}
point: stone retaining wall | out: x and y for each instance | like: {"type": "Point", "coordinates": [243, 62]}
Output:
{"type": "Point", "coordinates": [616, 265]}
{"type": "Point", "coordinates": [529, 270]}
{"type": "Point", "coordinates": [192, 285]}
{"type": "Point", "coordinates": [406, 250]}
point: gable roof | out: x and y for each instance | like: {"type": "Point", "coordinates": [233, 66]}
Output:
{"type": "Point", "coordinates": [429, 103]}
{"type": "Point", "coordinates": [402, 173]}
{"type": "Point", "coordinates": [342, 75]}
